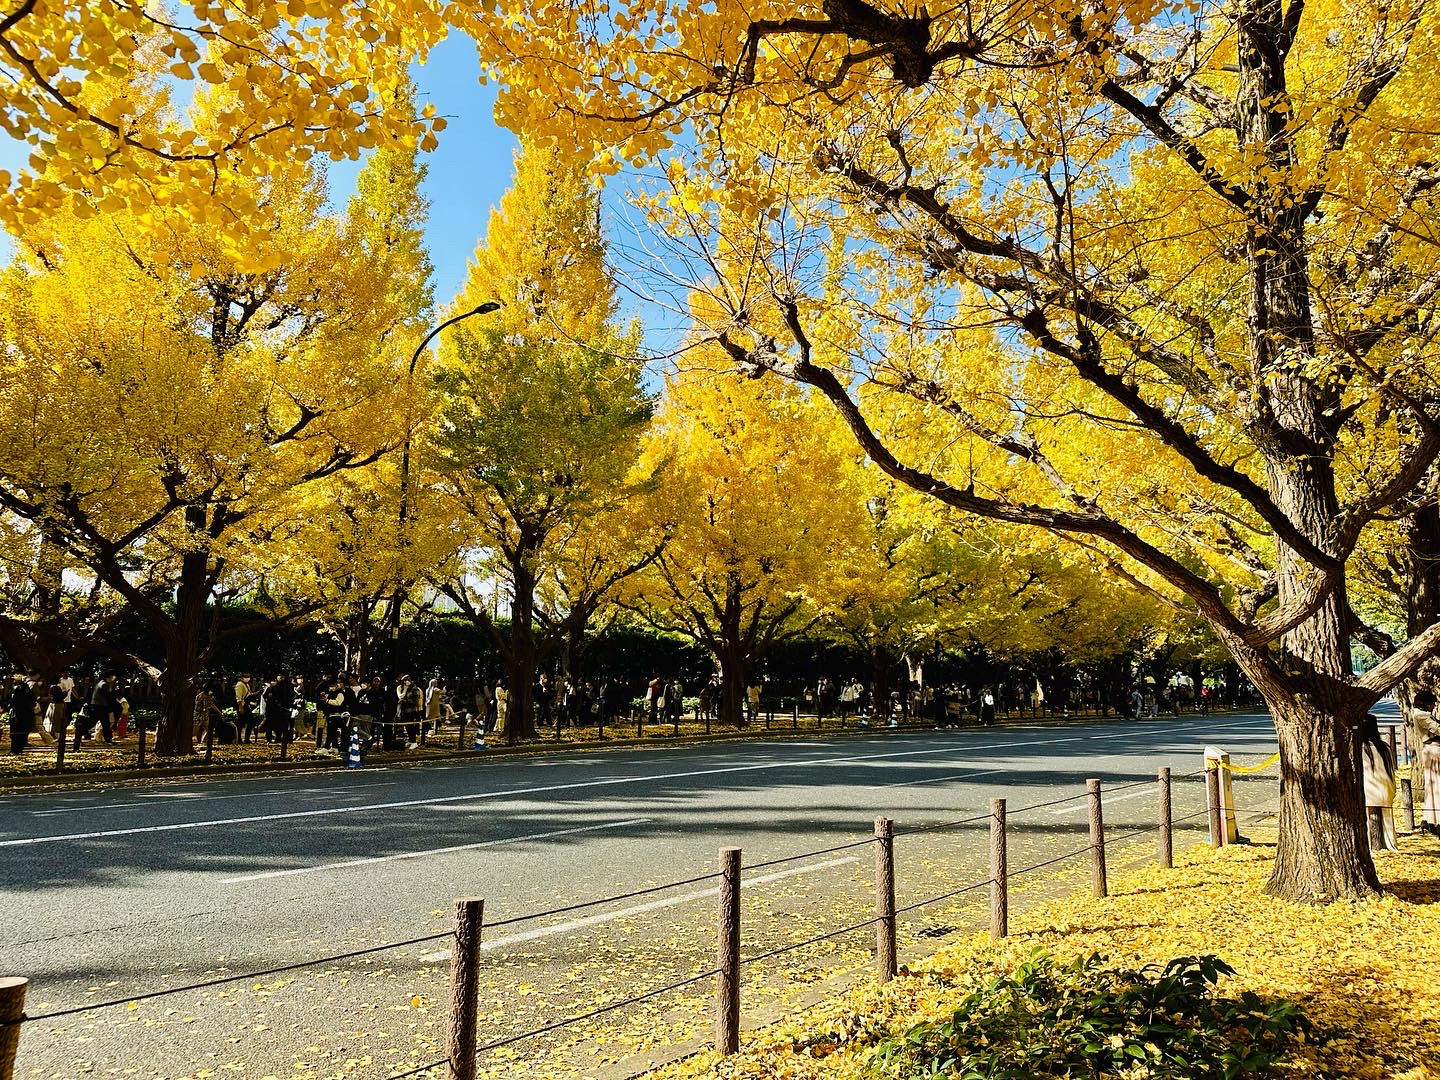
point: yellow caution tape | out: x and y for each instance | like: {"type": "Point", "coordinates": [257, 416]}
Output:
{"type": "Point", "coordinates": [1271, 760]}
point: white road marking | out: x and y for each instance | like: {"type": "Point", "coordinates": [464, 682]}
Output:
{"type": "Point", "coordinates": [476, 796]}
{"type": "Point", "coordinates": [160, 798]}
{"type": "Point", "coordinates": [940, 779]}
{"type": "Point", "coordinates": [432, 851]}
{"type": "Point", "coordinates": [638, 909]}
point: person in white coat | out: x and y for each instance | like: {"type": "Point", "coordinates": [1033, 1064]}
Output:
{"type": "Point", "coordinates": [1379, 770]}
{"type": "Point", "coordinates": [1422, 715]}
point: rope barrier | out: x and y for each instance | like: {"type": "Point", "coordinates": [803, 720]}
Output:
{"type": "Point", "coordinates": [943, 896]}
{"type": "Point", "coordinates": [942, 825]}
{"type": "Point", "coordinates": [781, 950]}
{"type": "Point", "coordinates": [810, 854]}
{"type": "Point", "coordinates": [1260, 767]}
{"type": "Point", "coordinates": [93, 1006]}
{"type": "Point", "coordinates": [421, 1069]}
{"type": "Point", "coordinates": [498, 1043]}
{"type": "Point", "coordinates": [605, 900]}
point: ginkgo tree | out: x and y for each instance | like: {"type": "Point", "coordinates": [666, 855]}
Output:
{"type": "Point", "coordinates": [1194, 239]}
{"type": "Point", "coordinates": [538, 421]}
{"type": "Point", "coordinates": [164, 407]}
{"type": "Point", "coordinates": [759, 511]}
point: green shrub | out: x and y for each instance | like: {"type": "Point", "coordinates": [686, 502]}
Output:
{"type": "Point", "coordinates": [1085, 1019]}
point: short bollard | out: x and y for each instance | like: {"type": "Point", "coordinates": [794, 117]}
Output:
{"type": "Point", "coordinates": [885, 966]}
{"type": "Point", "coordinates": [12, 1011]}
{"type": "Point", "coordinates": [140, 731]}
{"type": "Point", "coordinates": [1166, 819]}
{"type": "Point", "coordinates": [355, 756]}
{"type": "Point", "coordinates": [464, 723]}
{"type": "Point", "coordinates": [1098, 886]}
{"type": "Point", "coordinates": [1212, 798]}
{"type": "Point", "coordinates": [727, 955]}
{"type": "Point", "coordinates": [999, 873]}
{"type": "Point", "coordinates": [1407, 802]}
{"type": "Point", "coordinates": [464, 986]}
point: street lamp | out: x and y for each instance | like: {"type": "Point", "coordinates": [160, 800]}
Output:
{"type": "Point", "coordinates": [398, 599]}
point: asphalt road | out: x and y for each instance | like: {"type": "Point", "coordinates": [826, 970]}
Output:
{"type": "Point", "coordinates": [118, 892]}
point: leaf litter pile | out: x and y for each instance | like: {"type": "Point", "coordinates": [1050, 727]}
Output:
{"type": "Point", "coordinates": [1345, 990]}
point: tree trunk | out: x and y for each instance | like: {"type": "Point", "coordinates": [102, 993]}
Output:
{"type": "Point", "coordinates": [1324, 849]}
{"type": "Point", "coordinates": [731, 706]}
{"type": "Point", "coordinates": [182, 657]}
{"type": "Point", "coordinates": [522, 660]}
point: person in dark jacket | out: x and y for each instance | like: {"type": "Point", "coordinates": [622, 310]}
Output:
{"type": "Point", "coordinates": [22, 714]}
{"type": "Point", "coordinates": [103, 707]}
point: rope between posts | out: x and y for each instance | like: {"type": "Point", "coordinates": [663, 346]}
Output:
{"type": "Point", "coordinates": [943, 896]}
{"type": "Point", "coordinates": [92, 1006]}
{"type": "Point", "coordinates": [418, 1071]}
{"type": "Point", "coordinates": [498, 1043]}
{"type": "Point", "coordinates": [811, 854]}
{"type": "Point", "coordinates": [605, 900]}
{"type": "Point", "coordinates": [781, 950]}
{"type": "Point", "coordinates": [941, 825]}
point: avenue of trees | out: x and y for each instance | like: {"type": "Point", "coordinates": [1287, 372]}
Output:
{"type": "Point", "coordinates": [1146, 289]}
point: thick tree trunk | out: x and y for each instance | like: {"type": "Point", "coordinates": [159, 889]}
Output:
{"type": "Point", "coordinates": [178, 682]}
{"type": "Point", "coordinates": [733, 671]}
{"type": "Point", "coordinates": [1324, 849]}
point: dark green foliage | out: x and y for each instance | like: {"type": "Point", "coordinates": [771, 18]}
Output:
{"type": "Point", "coordinates": [1085, 1019]}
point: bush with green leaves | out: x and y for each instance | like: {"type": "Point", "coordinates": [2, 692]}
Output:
{"type": "Point", "coordinates": [1087, 1019]}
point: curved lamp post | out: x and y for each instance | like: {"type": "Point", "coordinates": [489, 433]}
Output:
{"type": "Point", "coordinates": [396, 601]}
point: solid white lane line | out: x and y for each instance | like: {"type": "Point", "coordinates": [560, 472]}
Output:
{"type": "Point", "coordinates": [431, 851]}
{"type": "Point", "coordinates": [640, 909]}
{"type": "Point", "coordinates": [940, 779]}
{"type": "Point", "coordinates": [477, 796]}
{"type": "Point", "coordinates": [161, 798]}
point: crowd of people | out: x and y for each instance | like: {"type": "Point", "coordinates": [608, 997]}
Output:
{"type": "Point", "coordinates": [67, 708]}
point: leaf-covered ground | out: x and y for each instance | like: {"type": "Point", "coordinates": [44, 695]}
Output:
{"type": "Point", "coordinates": [1365, 973]}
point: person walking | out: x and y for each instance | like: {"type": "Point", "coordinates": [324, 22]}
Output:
{"type": "Point", "coordinates": [434, 706]}
{"type": "Point", "coordinates": [1378, 770]}
{"type": "Point", "coordinates": [22, 714]}
{"type": "Point", "coordinates": [410, 700]}
{"type": "Point", "coordinates": [244, 709]}
{"type": "Point", "coordinates": [102, 709]}
{"type": "Point", "coordinates": [1422, 716]}
{"type": "Point", "coordinates": [987, 706]}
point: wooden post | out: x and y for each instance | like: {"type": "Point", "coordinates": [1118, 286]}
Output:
{"type": "Point", "coordinates": [1167, 827]}
{"type": "Point", "coordinates": [727, 954]}
{"type": "Point", "coordinates": [999, 873]}
{"type": "Point", "coordinates": [1212, 796]}
{"type": "Point", "coordinates": [460, 739]}
{"type": "Point", "coordinates": [1390, 739]}
{"type": "Point", "coordinates": [62, 737]}
{"type": "Point", "coordinates": [1098, 885]}
{"type": "Point", "coordinates": [210, 739]}
{"type": "Point", "coordinates": [140, 731]}
{"type": "Point", "coordinates": [795, 715]}
{"type": "Point", "coordinates": [884, 899]}
{"type": "Point", "coordinates": [464, 986]}
{"type": "Point", "coordinates": [285, 737]}
{"type": "Point", "coordinates": [1407, 802]}
{"type": "Point", "coordinates": [12, 1011]}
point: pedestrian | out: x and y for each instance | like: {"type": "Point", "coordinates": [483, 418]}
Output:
{"type": "Point", "coordinates": [1137, 704]}
{"type": "Point", "coordinates": [207, 711]}
{"type": "Point", "coordinates": [370, 709]}
{"type": "Point", "coordinates": [754, 694]}
{"type": "Point", "coordinates": [674, 701]}
{"type": "Point", "coordinates": [654, 698]}
{"type": "Point", "coordinates": [987, 706]}
{"type": "Point", "coordinates": [57, 714]}
{"type": "Point", "coordinates": [22, 713]}
{"type": "Point", "coordinates": [434, 705]}
{"type": "Point", "coordinates": [276, 702]}
{"type": "Point", "coordinates": [245, 709]}
{"type": "Point", "coordinates": [1422, 716]}
{"type": "Point", "coordinates": [410, 701]}
{"type": "Point", "coordinates": [502, 706]}
{"type": "Point", "coordinates": [102, 710]}
{"type": "Point", "coordinates": [1379, 776]}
